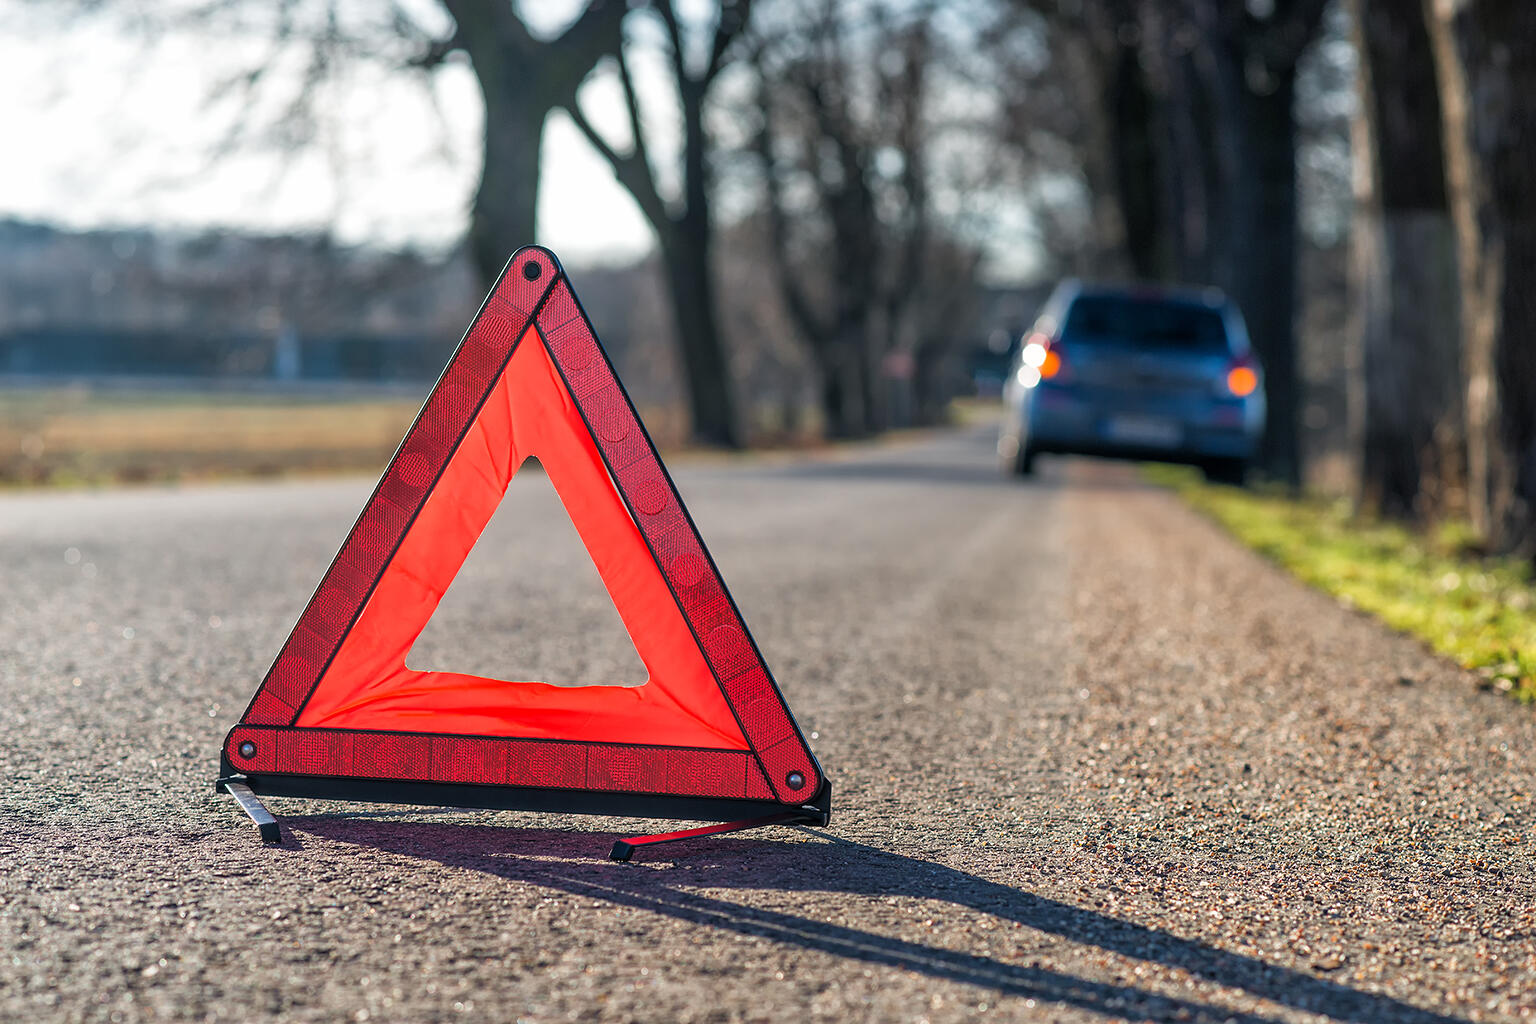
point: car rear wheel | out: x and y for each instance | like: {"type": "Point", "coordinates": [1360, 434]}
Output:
{"type": "Point", "coordinates": [1024, 462]}
{"type": "Point", "coordinates": [1226, 471]}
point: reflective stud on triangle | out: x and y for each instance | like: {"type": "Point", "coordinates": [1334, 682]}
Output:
{"type": "Point", "coordinates": [340, 713]}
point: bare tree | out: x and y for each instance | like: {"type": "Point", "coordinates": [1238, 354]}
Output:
{"type": "Point", "coordinates": [1147, 148]}
{"type": "Point", "coordinates": [1405, 394]}
{"type": "Point", "coordinates": [1487, 73]}
{"type": "Point", "coordinates": [1052, 71]}
{"type": "Point", "coordinates": [521, 78]}
{"type": "Point", "coordinates": [1199, 100]}
{"type": "Point", "coordinates": [683, 223]}
{"type": "Point", "coordinates": [283, 81]}
{"type": "Point", "coordinates": [1255, 50]}
{"type": "Point", "coordinates": [1125, 151]}
{"type": "Point", "coordinates": [842, 148]}
{"type": "Point", "coordinates": [944, 300]}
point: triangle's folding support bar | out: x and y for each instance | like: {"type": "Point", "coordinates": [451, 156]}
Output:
{"type": "Point", "coordinates": [622, 851]}
{"type": "Point", "coordinates": [260, 816]}
{"type": "Point", "coordinates": [625, 848]}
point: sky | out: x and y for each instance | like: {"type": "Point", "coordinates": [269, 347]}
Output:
{"type": "Point", "coordinates": [105, 128]}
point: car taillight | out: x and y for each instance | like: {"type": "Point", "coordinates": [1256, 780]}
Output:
{"type": "Point", "coordinates": [1051, 365]}
{"type": "Point", "coordinates": [1041, 359]}
{"type": "Point", "coordinates": [1242, 379]}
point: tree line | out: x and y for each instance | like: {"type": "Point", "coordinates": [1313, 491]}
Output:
{"type": "Point", "coordinates": [825, 114]}
{"type": "Point", "coordinates": [870, 155]}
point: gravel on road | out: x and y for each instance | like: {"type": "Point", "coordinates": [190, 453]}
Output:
{"type": "Point", "coordinates": [1092, 761]}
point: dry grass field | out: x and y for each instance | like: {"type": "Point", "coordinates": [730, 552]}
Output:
{"type": "Point", "coordinates": [80, 436]}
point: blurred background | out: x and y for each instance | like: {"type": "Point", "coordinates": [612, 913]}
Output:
{"type": "Point", "coordinates": [245, 236]}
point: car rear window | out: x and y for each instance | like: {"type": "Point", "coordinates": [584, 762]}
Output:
{"type": "Point", "coordinates": [1150, 323]}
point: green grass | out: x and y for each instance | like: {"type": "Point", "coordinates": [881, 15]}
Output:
{"type": "Point", "coordinates": [1479, 611]}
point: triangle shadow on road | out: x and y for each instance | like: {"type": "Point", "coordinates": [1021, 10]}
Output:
{"type": "Point", "coordinates": [563, 860]}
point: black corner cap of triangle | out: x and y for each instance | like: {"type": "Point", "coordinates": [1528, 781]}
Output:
{"type": "Point", "coordinates": [537, 271]}
{"type": "Point", "coordinates": [818, 809]}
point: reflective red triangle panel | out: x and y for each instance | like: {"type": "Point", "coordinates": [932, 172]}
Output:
{"type": "Point", "coordinates": [529, 380]}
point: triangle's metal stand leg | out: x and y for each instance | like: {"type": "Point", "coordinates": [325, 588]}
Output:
{"type": "Point", "coordinates": [260, 816]}
{"type": "Point", "coordinates": [625, 848]}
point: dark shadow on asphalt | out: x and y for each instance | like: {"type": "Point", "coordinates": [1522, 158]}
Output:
{"type": "Point", "coordinates": [966, 474]}
{"type": "Point", "coordinates": [1094, 474]}
{"type": "Point", "coordinates": [568, 861]}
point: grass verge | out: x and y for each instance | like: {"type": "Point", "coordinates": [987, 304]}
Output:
{"type": "Point", "coordinates": [1479, 611]}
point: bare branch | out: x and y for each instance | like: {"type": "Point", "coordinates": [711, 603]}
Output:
{"type": "Point", "coordinates": [734, 16]}
{"type": "Point", "coordinates": [436, 53]}
{"type": "Point", "coordinates": [675, 37]}
{"type": "Point", "coordinates": [628, 169]}
{"type": "Point", "coordinates": [596, 30]}
{"type": "Point", "coordinates": [488, 26]}
{"type": "Point", "coordinates": [801, 309]}
{"type": "Point", "coordinates": [908, 101]}
{"type": "Point", "coordinates": [636, 125]}
{"type": "Point", "coordinates": [1284, 44]}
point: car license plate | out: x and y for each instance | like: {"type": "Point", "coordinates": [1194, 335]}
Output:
{"type": "Point", "coordinates": [1153, 431]}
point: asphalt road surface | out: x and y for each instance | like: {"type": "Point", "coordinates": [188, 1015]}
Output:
{"type": "Point", "coordinates": [1092, 761]}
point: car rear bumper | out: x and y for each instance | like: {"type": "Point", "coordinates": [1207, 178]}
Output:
{"type": "Point", "coordinates": [1186, 428]}
{"type": "Point", "coordinates": [1188, 453]}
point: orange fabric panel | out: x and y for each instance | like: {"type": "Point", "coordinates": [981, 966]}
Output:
{"type": "Point", "coordinates": [368, 686]}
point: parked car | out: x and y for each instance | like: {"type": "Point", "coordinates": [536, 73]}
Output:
{"type": "Point", "coordinates": [1135, 372]}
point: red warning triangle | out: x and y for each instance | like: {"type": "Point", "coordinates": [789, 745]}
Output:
{"type": "Point", "coordinates": [340, 714]}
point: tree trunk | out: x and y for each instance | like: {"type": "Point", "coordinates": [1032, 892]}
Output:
{"type": "Point", "coordinates": [691, 284]}
{"type": "Point", "coordinates": [1104, 254]}
{"type": "Point", "coordinates": [1184, 169]}
{"type": "Point", "coordinates": [850, 374]}
{"type": "Point", "coordinates": [871, 398]}
{"type": "Point", "coordinates": [1248, 66]}
{"type": "Point", "coordinates": [1194, 168]}
{"type": "Point", "coordinates": [1404, 388]}
{"type": "Point", "coordinates": [1486, 65]}
{"type": "Point", "coordinates": [1261, 264]}
{"type": "Point", "coordinates": [521, 78]}
{"type": "Point", "coordinates": [839, 388]}
{"type": "Point", "coordinates": [1134, 155]}
{"type": "Point", "coordinates": [507, 198]}
{"type": "Point", "coordinates": [506, 202]}
{"type": "Point", "coordinates": [927, 388]}
{"type": "Point", "coordinates": [685, 244]}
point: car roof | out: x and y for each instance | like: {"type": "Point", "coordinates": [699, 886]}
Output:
{"type": "Point", "coordinates": [1209, 296]}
